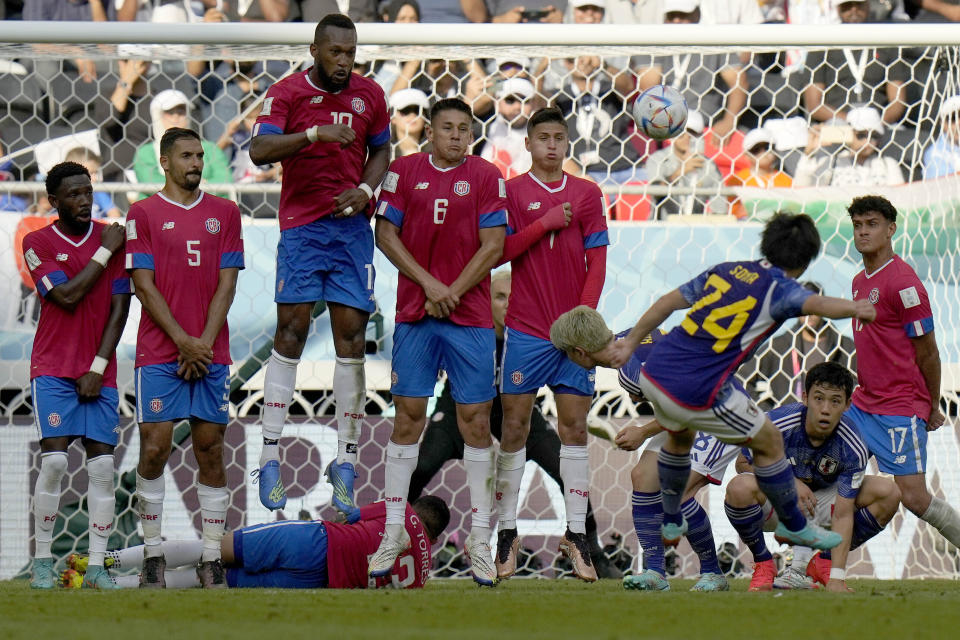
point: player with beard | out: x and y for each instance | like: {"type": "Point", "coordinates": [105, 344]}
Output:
{"type": "Point", "coordinates": [330, 130]}
{"type": "Point", "coordinates": [184, 251]}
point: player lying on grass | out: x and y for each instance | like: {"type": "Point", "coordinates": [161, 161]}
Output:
{"type": "Point", "coordinates": [307, 554]}
{"type": "Point", "coordinates": [829, 459]}
{"type": "Point", "coordinates": [733, 307]}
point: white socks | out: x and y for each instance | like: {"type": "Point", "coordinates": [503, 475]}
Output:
{"type": "Point", "coordinates": [481, 474]}
{"type": "Point", "coordinates": [100, 503]}
{"type": "Point", "coordinates": [46, 500]}
{"type": "Point", "coordinates": [801, 557]}
{"type": "Point", "coordinates": [178, 553]}
{"type": "Point", "coordinates": [575, 473]}
{"type": "Point", "coordinates": [350, 397]}
{"type": "Point", "coordinates": [213, 513]}
{"type": "Point", "coordinates": [509, 474]}
{"type": "Point", "coordinates": [279, 381]}
{"type": "Point", "coordinates": [944, 519]}
{"type": "Point", "coordinates": [150, 505]}
{"type": "Point", "coordinates": [401, 463]}
{"type": "Point", "coordinates": [175, 579]}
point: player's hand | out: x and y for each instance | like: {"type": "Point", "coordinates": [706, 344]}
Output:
{"type": "Point", "coordinates": [339, 133]}
{"type": "Point", "coordinates": [864, 311]}
{"type": "Point", "coordinates": [630, 438]}
{"type": "Point", "coordinates": [557, 217]}
{"type": "Point", "coordinates": [195, 355]}
{"type": "Point", "coordinates": [554, 15]}
{"type": "Point", "coordinates": [513, 15]}
{"type": "Point", "coordinates": [190, 371]}
{"type": "Point", "coordinates": [620, 353]}
{"type": "Point", "coordinates": [806, 500]}
{"type": "Point", "coordinates": [838, 586]}
{"type": "Point", "coordinates": [112, 236]}
{"type": "Point", "coordinates": [432, 310]}
{"type": "Point", "coordinates": [936, 419]}
{"type": "Point", "coordinates": [692, 163]}
{"type": "Point", "coordinates": [132, 70]}
{"type": "Point", "coordinates": [350, 203]}
{"type": "Point", "coordinates": [442, 298]}
{"type": "Point", "coordinates": [88, 386]}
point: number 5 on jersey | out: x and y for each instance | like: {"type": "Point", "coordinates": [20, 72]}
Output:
{"type": "Point", "coordinates": [193, 253]}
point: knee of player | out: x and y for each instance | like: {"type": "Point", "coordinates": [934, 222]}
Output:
{"type": "Point", "coordinates": [154, 454]}
{"type": "Point", "coordinates": [54, 464]}
{"type": "Point", "coordinates": [742, 490]}
{"type": "Point", "coordinates": [291, 338]}
{"type": "Point", "coordinates": [915, 498]}
{"type": "Point", "coordinates": [889, 501]}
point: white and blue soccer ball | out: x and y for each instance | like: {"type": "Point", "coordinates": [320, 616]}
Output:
{"type": "Point", "coordinates": [660, 112]}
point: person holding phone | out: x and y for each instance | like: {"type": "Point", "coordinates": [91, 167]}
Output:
{"type": "Point", "coordinates": [511, 11]}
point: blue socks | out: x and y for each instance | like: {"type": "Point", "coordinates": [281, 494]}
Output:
{"type": "Point", "coordinates": [777, 483]}
{"type": "Point", "coordinates": [748, 521]}
{"type": "Point", "coordinates": [700, 536]}
{"type": "Point", "coordinates": [674, 472]}
{"type": "Point", "coordinates": [865, 526]}
{"type": "Point", "coordinates": [647, 518]}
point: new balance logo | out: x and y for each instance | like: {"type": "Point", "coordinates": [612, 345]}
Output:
{"type": "Point", "coordinates": [167, 225]}
{"type": "Point", "coordinates": [316, 99]}
{"type": "Point", "coordinates": [62, 257]}
{"type": "Point", "coordinates": [422, 185]}
{"type": "Point", "coordinates": [533, 206]}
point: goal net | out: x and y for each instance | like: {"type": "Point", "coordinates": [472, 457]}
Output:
{"type": "Point", "coordinates": [84, 91]}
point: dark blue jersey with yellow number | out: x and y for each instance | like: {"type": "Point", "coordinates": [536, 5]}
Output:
{"type": "Point", "coordinates": [735, 306]}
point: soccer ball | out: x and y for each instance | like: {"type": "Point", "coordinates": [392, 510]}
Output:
{"type": "Point", "coordinates": [660, 112]}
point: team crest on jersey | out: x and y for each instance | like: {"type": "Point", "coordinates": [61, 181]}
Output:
{"type": "Point", "coordinates": [213, 225]}
{"type": "Point", "coordinates": [358, 105]}
{"type": "Point", "coordinates": [461, 187]}
{"type": "Point", "coordinates": [33, 261]}
{"type": "Point", "coordinates": [280, 286]}
{"type": "Point", "coordinates": [422, 185]}
{"type": "Point", "coordinates": [533, 206]}
{"type": "Point", "coordinates": [874, 296]}
{"type": "Point", "coordinates": [591, 377]}
{"type": "Point", "coordinates": [167, 225]}
{"type": "Point", "coordinates": [516, 377]}
{"type": "Point", "coordinates": [156, 405]}
{"type": "Point", "coordinates": [394, 378]}
{"type": "Point", "coordinates": [54, 419]}
{"type": "Point", "coordinates": [62, 257]}
{"type": "Point", "coordinates": [827, 466]}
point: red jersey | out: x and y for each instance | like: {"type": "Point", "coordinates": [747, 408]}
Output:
{"type": "Point", "coordinates": [548, 278]}
{"type": "Point", "coordinates": [890, 380]}
{"type": "Point", "coordinates": [185, 247]}
{"type": "Point", "coordinates": [313, 176]}
{"type": "Point", "coordinates": [349, 547]}
{"type": "Point", "coordinates": [67, 342]}
{"type": "Point", "coordinates": [440, 213]}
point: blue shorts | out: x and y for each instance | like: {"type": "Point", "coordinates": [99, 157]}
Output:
{"type": "Point", "coordinates": [899, 443]}
{"type": "Point", "coordinates": [467, 354]}
{"type": "Point", "coordinates": [329, 259]}
{"type": "Point", "coordinates": [163, 396]}
{"type": "Point", "coordinates": [58, 411]}
{"type": "Point", "coordinates": [287, 554]}
{"type": "Point", "coordinates": [530, 362]}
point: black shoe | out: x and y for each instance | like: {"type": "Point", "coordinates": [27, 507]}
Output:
{"type": "Point", "coordinates": [152, 575]}
{"type": "Point", "coordinates": [508, 547]}
{"type": "Point", "coordinates": [211, 574]}
{"type": "Point", "coordinates": [576, 549]}
{"type": "Point", "coordinates": [606, 570]}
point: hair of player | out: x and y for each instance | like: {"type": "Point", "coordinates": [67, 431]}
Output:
{"type": "Point", "coordinates": [61, 172]}
{"type": "Point", "coordinates": [82, 154]}
{"type": "Point", "coordinates": [547, 114]}
{"type": "Point", "coordinates": [173, 134]}
{"type": "Point", "coordinates": [435, 514]}
{"type": "Point", "coordinates": [450, 104]}
{"type": "Point", "coordinates": [830, 374]}
{"type": "Point", "coordinates": [500, 275]}
{"type": "Point", "coordinates": [581, 327]}
{"type": "Point", "coordinates": [790, 241]}
{"type": "Point", "coordinates": [334, 20]}
{"type": "Point", "coordinates": [866, 204]}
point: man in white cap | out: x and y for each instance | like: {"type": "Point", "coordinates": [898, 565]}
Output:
{"type": "Point", "coordinates": [942, 158]}
{"type": "Point", "coordinates": [763, 171]}
{"type": "Point", "coordinates": [505, 134]}
{"type": "Point", "coordinates": [408, 115]}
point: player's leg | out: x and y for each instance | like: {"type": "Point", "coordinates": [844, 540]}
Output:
{"type": "Point", "coordinates": [572, 411]}
{"type": "Point", "coordinates": [441, 442]}
{"type": "Point", "coordinates": [700, 536]}
{"type": "Point", "coordinates": [876, 504]}
{"type": "Point", "coordinates": [178, 553]}
{"type": "Point", "coordinates": [207, 439]}
{"type": "Point", "coordinates": [648, 520]}
{"type": "Point", "coordinates": [172, 579]}
{"type": "Point", "coordinates": [673, 467]}
{"type": "Point", "coordinates": [511, 459]}
{"type": "Point", "coordinates": [744, 507]}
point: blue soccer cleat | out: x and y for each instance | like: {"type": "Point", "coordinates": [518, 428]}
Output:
{"type": "Point", "coordinates": [97, 577]}
{"type": "Point", "coordinates": [272, 494]}
{"type": "Point", "coordinates": [672, 534]}
{"type": "Point", "coordinates": [711, 582]}
{"type": "Point", "coordinates": [810, 536]}
{"type": "Point", "coordinates": [44, 576]}
{"type": "Point", "coordinates": [341, 477]}
{"type": "Point", "coordinates": [648, 580]}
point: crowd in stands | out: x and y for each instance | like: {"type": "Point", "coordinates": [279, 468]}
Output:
{"type": "Point", "coordinates": [793, 118]}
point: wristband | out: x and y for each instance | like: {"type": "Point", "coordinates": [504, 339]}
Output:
{"type": "Point", "coordinates": [102, 256]}
{"type": "Point", "coordinates": [99, 365]}
{"type": "Point", "coordinates": [313, 133]}
{"type": "Point", "coordinates": [363, 186]}
{"type": "Point", "coordinates": [838, 574]}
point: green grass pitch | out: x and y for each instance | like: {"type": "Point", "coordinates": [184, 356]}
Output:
{"type": "Point", "coordinates": [529, 609]}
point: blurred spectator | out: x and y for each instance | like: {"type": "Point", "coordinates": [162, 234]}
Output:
{"type": "Point", "coordinates": [942, 158]}
{"type": "Point", "coordinates": [447, 11]}
{"type": "Point", "coordinates": [103, 206]}
{"type": "Point", "coordinates": [409, 109]}
{"type": "Point", "coordinates": [169, 109]}
{"type": "Point", "coordinates": [937, 11]}
{"type": "Point", "coordinates": [437, 77]}
{"type": "Point", "coordinates": [401, 12]}
{"type": "Point", "coordinates": [858, 163]}
{"type": "Point", "coordinates": [845, 78]}
{"type": "Point", "coordinates": [9, 201]}
{"type": "Point", "coordinates": [11, 10]}
{"type": "Point", "coordinates": [683, 164]}
{"type": "Point", "coordinates": [730, 12]}
{"type": "Point", "coordinates": [634, 11]}
{"type": "Point", "coordinates": [594, 12]}
{"type": "Point", "coordinates": [507, 132]}
{"type": "Point", "coordinates": [764, 170]}
{"type": "Point", "coordinates": [483, 90]}
{"type": "Point", "coordinates": [235, 144]}
{"type": "Point", "coordinates": [526, 10]}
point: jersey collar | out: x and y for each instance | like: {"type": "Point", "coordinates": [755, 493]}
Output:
{"type": "Point", "coordinates": [67, 238]}
{"type": "Point", "coordinates": [563, 183]}
{"type": "Point", "coordinates": [879, 269]}
{"type": "Point", "coordinates": [444, 170]}
{"type": "Point", "coordinates": [186, 207]}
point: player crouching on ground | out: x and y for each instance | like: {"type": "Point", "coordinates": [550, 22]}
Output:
{"type": "Point", "coordinates": [828, 458]}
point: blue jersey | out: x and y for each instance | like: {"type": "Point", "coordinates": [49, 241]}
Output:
{"type": "Point", "coordinates": [840, 460]}
{"type": "Point", "coordinates": [629, 373]}
{"type": "Point", "coordinates": [735, 306]}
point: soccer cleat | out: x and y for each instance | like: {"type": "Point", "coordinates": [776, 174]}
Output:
{"type": "Point", "coordinates": [508, 546]}
{"type": "Point", "coordinates": [382, 561]}
{"type": "Point", "coordinates": [79, 561]}
{"type": "Point", "coordinates": [604, 567]}
{"type": "Point", "coordinates": [211, 574]}
{"type": "Point", "coordinates": [272, 494]}
{"type": "Point", "coordinates": [98, 577]}
{"type": "Point", "coordinates": [341, 477]}
{"type": "Point", "coordinates": [151, 577]}
{"type": "Point", "coordinates": [812, 535]}
{"type": "Point", "coordinates": [763, 574]}
{"type": "Point", "coordinates": [482, 568]}
{"type": "Point", "coordinates": [648, 580]}
{"type": "Point", "coordinates": [819, 569]}
{"type": "Point", "coordinates": [43, 574]}
{"type": "Point", "coordinates": [577, 550]}
{"type": "Point", "coordinates": [672, 534]}
{"type": "Point", "coordinates": [711, 582]}
{"type": "Point", "coordinates": [793, 578]}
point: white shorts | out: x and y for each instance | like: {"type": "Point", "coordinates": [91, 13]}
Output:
{"type": "Point", "coordinates": [709, 457]}
{"type": "Point", "coordinates": [824, 514]}
{"type": "Point", "coordinates": [734, 416]}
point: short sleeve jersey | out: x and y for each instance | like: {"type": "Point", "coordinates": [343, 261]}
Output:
{"type": "Point", "coordinates": [185, 247]}
{"type": "Point", "coordinates": [735, 306]}
{"type": "Point", "coordinates": [629, 374]}
{"type": "Point", "coordinates": [313, 176]}
{"type": "Point", "coordinates": [890, 380]}
{"type": "Point", "coordinates": [841, 460]}
{"type": "Point", "coordinates": [548, 277]}
{"type": "Point", "coordinates": [349, 547]}
{"type": "Point", "coordinates": [440, 213]}
{"type": "Point", "coordinates": [66, 342]}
